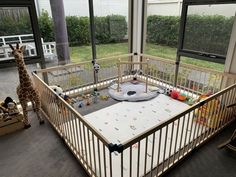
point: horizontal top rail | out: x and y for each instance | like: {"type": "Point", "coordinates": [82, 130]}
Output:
{"type": "Point", "coordinates": [148, 132]}
{"type": "Point", "coordinates": [22, 35]}
{"type": "Point", "coordinates": [80, 63]}
{"type": "Point", "coordinates": [189, 66]}
{"type": "Point", "coordinates": [86, 123]}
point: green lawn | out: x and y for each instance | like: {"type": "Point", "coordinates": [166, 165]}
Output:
{"type": "Point", "coordinates": [84, 53]}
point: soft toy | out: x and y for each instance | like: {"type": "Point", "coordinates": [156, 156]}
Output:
{"type": "Point", "coordinates": [58, 90]}
{"type": "Point", "coordinates": [182, 97]}
{"type": "Point", "coordinates": [174, 94]}
{"type": "Point", "coordinates": [168, 92]}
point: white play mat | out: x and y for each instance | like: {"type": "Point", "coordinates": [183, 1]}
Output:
{"type": "Point", "coordinates": [132, 92]}
{"type": "Point", "coordinates": [121, 122]}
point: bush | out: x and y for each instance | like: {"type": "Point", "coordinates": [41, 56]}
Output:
{"type": "Point", "coordinates": [78, 30]}
{"type": "Point", "coordinates": [203, 33]}
{"type": "Point", "coordinates": [46, 27]}
{"type": "Point", "coordinates": [163, 30]}
{"type": "Point", "coordinates": [15, 24]}
{"type": "Point", "coordinates": [208, 33]}
{"type": "Point", "coordinates": [111, 28]}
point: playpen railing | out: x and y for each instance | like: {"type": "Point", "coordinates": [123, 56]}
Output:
{"type": "Point", "coordinates": [193, 79]}
{"type": "Point", "coordinates": [170, 141]}
{"type": "Point", "coordinates": [178, 136]}
{"type": "Point", "coordinates": [76, 75]}
{"type": "Point", "coordinates": [87, 144]}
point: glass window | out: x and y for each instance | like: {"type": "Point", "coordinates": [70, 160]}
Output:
{"type": "Point", "coordinates": [78, 30]}
{"type": "Point", "coordinates": [15, 27]}
{"type": "Point", "coordinates": [111, 27]}
{"type": "Point", "coordinates": [208, 28]}
{"type": "Point", "coordinates": [162, 30]}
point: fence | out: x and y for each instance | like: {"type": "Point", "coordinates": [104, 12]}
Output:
{"type": "Point", "coordinates": [49, 48]}
{"type": "Point", "coordinates": [154, 151]}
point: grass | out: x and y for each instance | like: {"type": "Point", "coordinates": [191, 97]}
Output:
{"type": "Point", "coordinates": [84, 53]}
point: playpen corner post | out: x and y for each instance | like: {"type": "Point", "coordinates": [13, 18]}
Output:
{"type": "Point", "coordinates": [147, 75]}
{"type": "Point", "coordinates": [176, 69]}
{"type": "Point", "coordinates": [118, 83]}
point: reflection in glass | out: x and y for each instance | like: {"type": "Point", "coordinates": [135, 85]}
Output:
{"type": "Point", "coordinates": [15, 27]}
{"type": "Point", "coordinates": [208, 28]}
{"type": "Point", "coordinates": [111, 27]}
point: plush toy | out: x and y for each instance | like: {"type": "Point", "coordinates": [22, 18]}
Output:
{"type": "Point", "coordinates": [58, 90]}
{"type": "Point", "coordinates": [9, 106]}
{"type": "Point", "coordinates": [182, 97]}
{"type": "Point", "coordinates": [174, 94]}
{"type": "Point", "coordinates": [104, 97]}
{"type": "Point", "coordinates": [168, 92]}
{"type": "Point", "coordinates": [95, 95]}
{"type": "Point", "coordinates": [87, 98]}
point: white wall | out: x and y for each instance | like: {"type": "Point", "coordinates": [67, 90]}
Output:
{"type": "Point", "coordinates": [154, 7]}
{"type": "Point", "coordinates": [168, 9]}
{"type": "Point", "coordinates": [81, 8]}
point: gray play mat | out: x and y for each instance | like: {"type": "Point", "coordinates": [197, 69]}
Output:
{"type": "Point", "coordinates": [132, 92]}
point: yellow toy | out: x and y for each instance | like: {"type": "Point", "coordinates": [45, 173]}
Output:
{"type": "Point", "coordinates": [208, 114]}
{"type": "Point", "coordinates": [104, 97]}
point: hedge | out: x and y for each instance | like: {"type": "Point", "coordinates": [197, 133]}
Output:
{"type": "Point", "coordinates": [15, 25]}
{"type": "Point", "coordinates": [108, 29]}
{"type": "Point", "coordinates": [161, 30]}
{"type": "Point", "coordinates": [164, 30]}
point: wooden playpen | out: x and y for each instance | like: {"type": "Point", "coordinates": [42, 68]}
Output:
{"type": "Point", "coordinates": [171, 141]}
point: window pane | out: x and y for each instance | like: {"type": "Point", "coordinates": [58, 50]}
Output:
{"type": "Point", "coordinates": [15, 27]}
{"type": "Point", "coordinates": [162, 28]}
{"type": "Point", "coordinates": [208, 28]}
{"type": "Point", "coordinates": [111, 25]}
{"type": "Point", "coordinates": [77, 20]}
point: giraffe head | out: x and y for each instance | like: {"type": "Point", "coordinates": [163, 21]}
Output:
{"type": "Point", "coordinates": [18, 51]}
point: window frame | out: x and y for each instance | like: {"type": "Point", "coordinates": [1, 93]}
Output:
{"type": "Point", "coordinates": [193, 53]}
{"type": "Point", "coordinates": [39, 58]}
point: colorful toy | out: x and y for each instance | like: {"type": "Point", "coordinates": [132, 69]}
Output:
{"type": "Point", "coordinates": [208, 115]}
{"type": "Point", "coordinates": [8, 106]}
{"type": "Point", "coordinates": [57, 89]}
{"type": "Point", "coordinates": [80, 104]}
{"type": "Point", "coordinates": [168, 91]}
{"type": "Point", "coordinates": [87, 99]}
{"type": "Point", "coordinates": [104, 97]}
{"type": "Point", "coordinates": [182, 97]}
{"type": "Point", "coordinates": [26, 91]}
{"type": "Point", "coordinates": [175, 94]}
{"type": "Point", "coordinates": [95, 95]}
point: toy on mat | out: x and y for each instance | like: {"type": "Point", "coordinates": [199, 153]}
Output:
{"type": "Point", "coordinates": [182, 97]}
{"type": "Point", "coordinates": [87, 99]}
{"type": "Point", "coordinates": [80, 102]}
{"type": "Point", "coordinates": [104, 97]}
{"type": "Point", "coordinates": [168, 91]}
{"type": "Point", "coordinates": [95, 95]}
{"type": "Point", "coordinates": [175, 94]}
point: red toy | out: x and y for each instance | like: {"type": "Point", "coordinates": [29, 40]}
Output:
{"type": "Point", "coordinates": [174, 94]}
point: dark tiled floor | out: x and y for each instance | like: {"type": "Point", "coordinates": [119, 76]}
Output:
{"type": "Point", "coordinates": [39, 152]}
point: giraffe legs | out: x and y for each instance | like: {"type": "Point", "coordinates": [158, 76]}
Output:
{"type": "Point", "coordinates": [36, 106]}
{"type": "Point", "coordinates": [25, 113]}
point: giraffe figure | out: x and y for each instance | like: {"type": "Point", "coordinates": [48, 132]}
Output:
{"type": "Point", "coordinates": [25, 90]}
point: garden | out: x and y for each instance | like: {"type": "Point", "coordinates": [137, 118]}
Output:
{"type": "Point", "coordinates": [111, 35]}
